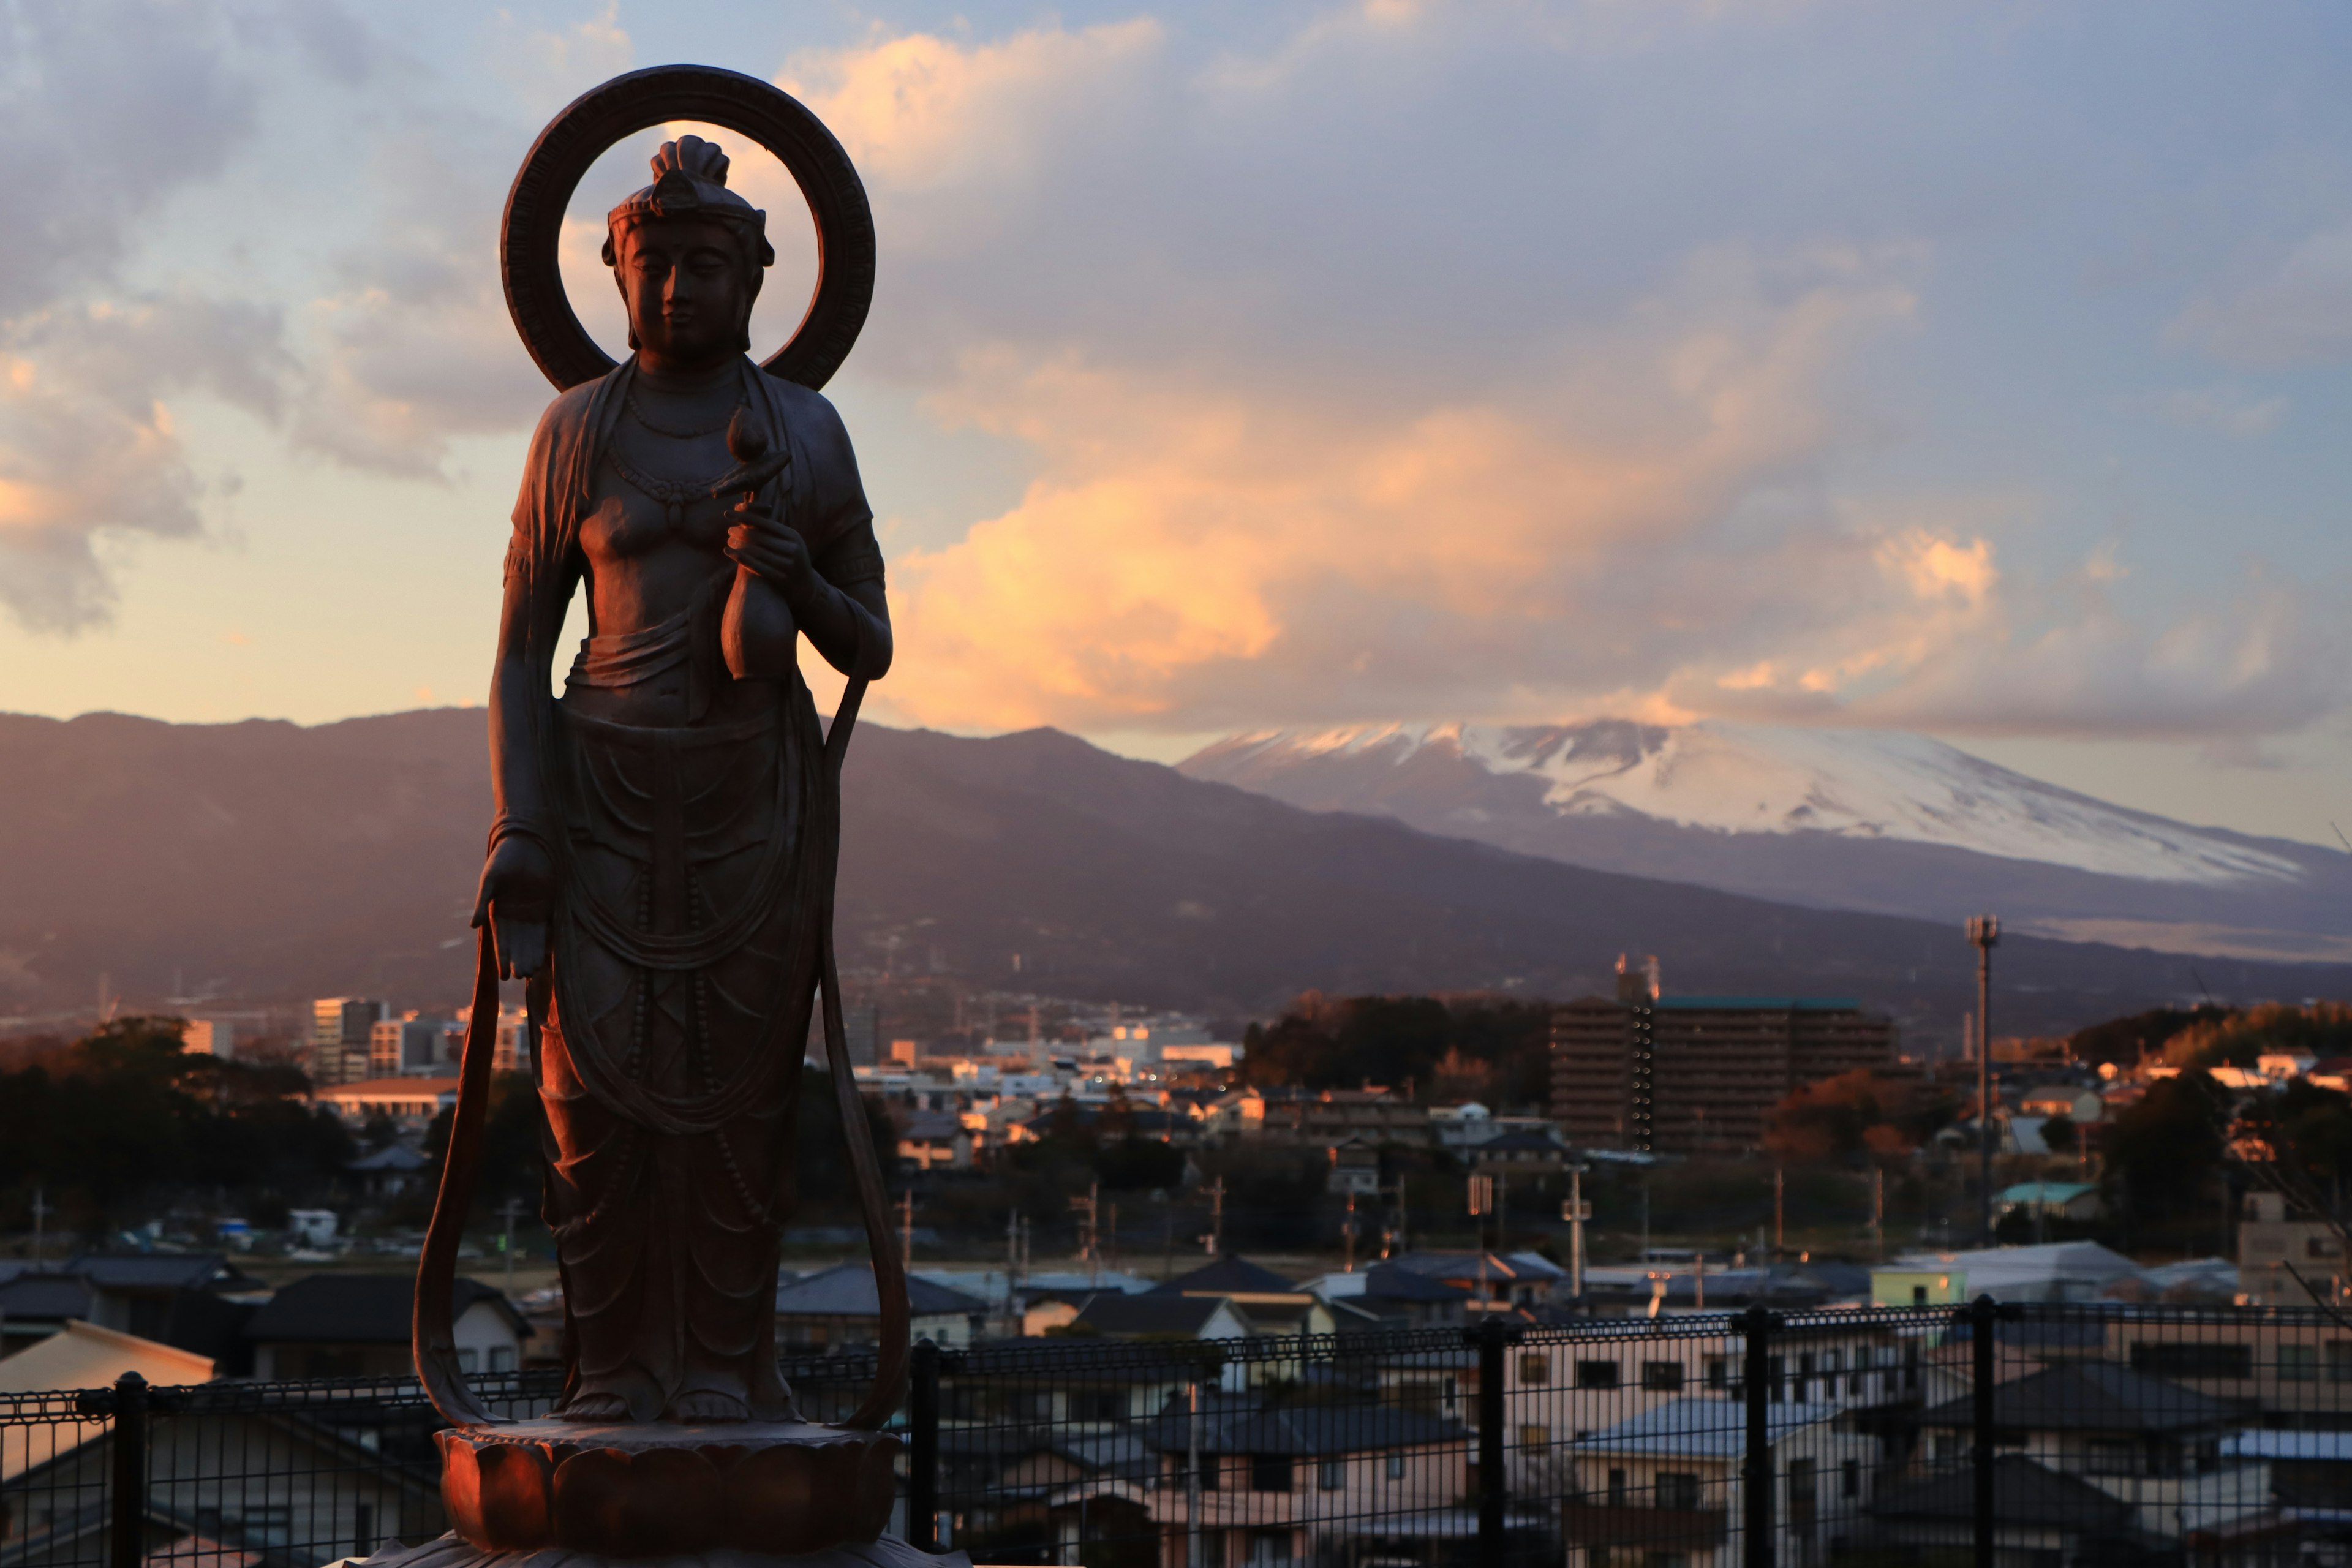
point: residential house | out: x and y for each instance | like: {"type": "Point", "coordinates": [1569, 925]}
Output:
{"type": "Point", "coordinates": [357, 1325]}
{"type": "Point", "coordinates": [1355, 1168]}
{"type": "Point", "coordinates": [1161, 1315]}
{"type": "Point", "coordinates": [2149, 1443]}
{"type": "Point", "coordinates": [236, 1482]}
{"type": "Point", "coordinates": [2082, 1106]}
{"type": "Point", "coordinates": [388, 1171]}
{"type": "Point", "coordinates": [1387, 1297]}
{"type": "Point", "coordinates": [2287, 1261]}
{"type": "Point", "coordinates": [840, 1308]}
{"type": "Point", "coordinates": [1522, 1280]}
{"type": "Point", "coordinates": [1269, 1303]}
{"type": "Point", "coordinates": [2041, 1517]}
{"type": "Point", "coordinates": [1522, 1151]}
{"type": "Point", "coordinates": [1334, 1115]}
{"type": "Point", "coordinates": [1312, 1482]}
{"type": "Point", "coordinates": [194, 1301]}
{"type": "Point", "coordinates": [2077, 1201]}
{"type": "Point", "coordinates": [935, 1138]}
{"type": "Point", "coordinates": [1666, 1484]}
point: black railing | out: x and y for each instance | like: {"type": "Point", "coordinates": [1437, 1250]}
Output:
{"type": "Point", "coordinates": [2008, 1436]}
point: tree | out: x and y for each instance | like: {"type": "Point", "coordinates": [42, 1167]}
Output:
{"type": "Point", "coordinates": [2166, 1146]}
{"type": "Point", "coordinates": [1440, 1047]}
{"type": "Point", "coordinates": [113, 1121]}
{"type": "Point", "coordinates": [1852, 1113]}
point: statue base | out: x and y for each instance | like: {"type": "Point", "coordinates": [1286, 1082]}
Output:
{"type": "Point", "coordinates": [454, 1551]}
{"type": "Point", "coordinates": [657, 1491]}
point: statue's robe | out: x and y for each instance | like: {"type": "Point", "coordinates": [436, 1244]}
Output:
{"type": "Point", "coordinates": [684, 941]}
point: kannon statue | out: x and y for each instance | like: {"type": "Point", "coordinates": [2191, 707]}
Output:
{"type": "Point", "coordinates": [652, 870]}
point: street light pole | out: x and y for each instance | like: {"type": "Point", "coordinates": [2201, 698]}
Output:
{"type": "Point", "coordinates": [1984, 935]}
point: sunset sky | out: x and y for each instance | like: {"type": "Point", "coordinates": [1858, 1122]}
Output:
{"type": "Point", "coordinates": [1974, 368]}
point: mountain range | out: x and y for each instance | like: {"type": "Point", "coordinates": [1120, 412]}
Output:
{"type": "Point", "coordinates": [265, 860]}
{"type": "Point", "coordinates": [1852, 819]}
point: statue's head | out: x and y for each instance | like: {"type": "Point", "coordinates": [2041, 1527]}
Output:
{"type": "Point", "coordinates": [688, 254]}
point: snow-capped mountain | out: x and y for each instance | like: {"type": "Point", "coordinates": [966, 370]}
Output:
{"type": "Point", "coordinates": [1845, 819]}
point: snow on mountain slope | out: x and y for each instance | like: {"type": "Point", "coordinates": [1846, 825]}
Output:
{"type": "Point", "coordinates": [1743, 780]}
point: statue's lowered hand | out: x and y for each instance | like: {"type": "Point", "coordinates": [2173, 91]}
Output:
{"type": "Point", "coordinates": [517, 883]}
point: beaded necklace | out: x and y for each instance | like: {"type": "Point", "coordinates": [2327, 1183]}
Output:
{"type": "Point", "coordinates": [637, 412]}
{"type": "Point", "coordinates": [673, 495]}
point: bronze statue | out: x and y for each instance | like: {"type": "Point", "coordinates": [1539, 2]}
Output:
{"type": "Point", "coordinates": [673, 782]}
{"type": "Point", "coordinates": [660, 868]}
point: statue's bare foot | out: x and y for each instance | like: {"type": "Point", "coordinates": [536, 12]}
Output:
{"type": "Point", "coordinates": [594, 1407]}
{"type": "Point", "coordinates": [706, 1404]}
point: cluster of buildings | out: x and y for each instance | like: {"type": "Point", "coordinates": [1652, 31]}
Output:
{"type": "Point", "coordinates": [2128, 1433]}
{"type": "Point", "coordinates": [1650, 1073]}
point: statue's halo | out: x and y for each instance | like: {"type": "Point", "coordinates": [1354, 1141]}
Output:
{"type": "Point", "coordinates": [576, 138]}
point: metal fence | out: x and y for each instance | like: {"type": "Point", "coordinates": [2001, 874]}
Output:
{"type": "Point", "coordinates": [2096, 1436]}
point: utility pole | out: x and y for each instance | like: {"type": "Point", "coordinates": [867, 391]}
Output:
{"type": "Point", "coordinates": [1348, 1236]}
{"type": "Point", "coordinates": [1215, 1237]}
{"type": "Point", "coordinates": [508, 1210]}
{"type": "Point", "coordinates": [1878, 1212]}
{"type": "Point", "coordinates": [40, 1221]}
{"type": "Point", "coordinates": [1780, 1213]}
{"type": "Point", "coordinates": [1984, 935]}
{"type": "Point", "coordinates": [907, 1228]}
{"type": "Point", "coordinates": [1013, 1263]}
{"type": "Point", "coordinates": [1645, 1214]}
{"type": "Point", "coordinates": [1393, 1237]}
{"type": "Point", "coordinates": [1576, 1212]}
{"type": "Point", "coordinates": [1090, 1241]}
{"type": "Point", "coordinates": [1482, 1200]}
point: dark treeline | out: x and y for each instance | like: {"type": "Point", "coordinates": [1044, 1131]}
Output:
{"type": "Point", "coordinates": [116, 1126]}
{"type": "Point", "coordinates": [1479, 1047]}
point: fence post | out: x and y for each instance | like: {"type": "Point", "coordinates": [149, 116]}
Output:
{"type": "Point", "coordinates": [1494, 1487]}
{"type": "Point", "coordinates": [1756, 1462]}
{"type": "Point", "coordinates": [1192, 1556]}
{"type": "Point", "coordinates": [127, 1540]}
{"type": "Point", "coordinates": [1982, 1313]}
{"type": "Point", "coordinates": [923, 1449]}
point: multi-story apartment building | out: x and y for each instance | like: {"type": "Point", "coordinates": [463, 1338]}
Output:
{"type": "Point", "coordinates": [1690, 1074]}
{"type": "Point", "coordinates": [341, 1031]}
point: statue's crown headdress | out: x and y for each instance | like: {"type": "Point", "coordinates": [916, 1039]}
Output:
{"type": "Point", "coordinates": [690, 181]}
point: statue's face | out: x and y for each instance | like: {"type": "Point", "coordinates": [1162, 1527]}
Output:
{"type": "Point", "coordinates": [687, 288]}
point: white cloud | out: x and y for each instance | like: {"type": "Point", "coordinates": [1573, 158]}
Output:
{"type": "Point", "coordinates": [88, 448]}
{"type": "Point", "coordinates": [1375, 448]}
{"type": "Point", "coordinates": [414, 348]}
{"type": "Point", "coordinates": [110, 111]}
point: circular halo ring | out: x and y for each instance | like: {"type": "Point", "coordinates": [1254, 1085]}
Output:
{"type": "Point", "coordinates": [595, 121]}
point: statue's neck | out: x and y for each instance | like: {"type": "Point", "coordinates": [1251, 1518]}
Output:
{"type": "Point", "coordinates": [682, 381]}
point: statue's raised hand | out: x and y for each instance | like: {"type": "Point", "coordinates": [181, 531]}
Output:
{"type": "Point", "coordinates": [774, 549]}
{"type": "Point", "coordinates": [518, 888]}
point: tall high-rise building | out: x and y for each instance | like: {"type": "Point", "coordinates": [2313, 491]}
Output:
{"type": "Point", "coordinates": [1690, 1074]}
{"type": "Point", "coordinates": [341, 1031]}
